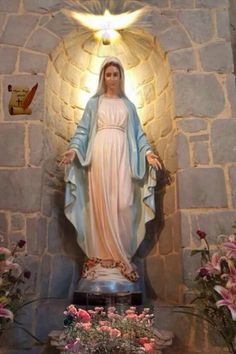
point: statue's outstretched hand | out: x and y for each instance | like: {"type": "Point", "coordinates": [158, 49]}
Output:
{"type": "Point", "coordinates": [67, 157]}
{"type": "Point", "coordinates": [153, 160]}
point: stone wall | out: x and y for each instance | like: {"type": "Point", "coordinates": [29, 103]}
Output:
{"type": "Point", "coordinates": [186, 102]}
{"type": "Point", "coordinates": [197, 43]}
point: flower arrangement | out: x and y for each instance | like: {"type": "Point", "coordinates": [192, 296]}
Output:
{"type": "Point", "coordinates": [11, 278]}
{"type": "Point", "coordinates": [107, 331]}
{"type": "Point", "coordinates": [216, 285]}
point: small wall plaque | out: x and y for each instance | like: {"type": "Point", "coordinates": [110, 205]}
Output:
{"type": "Point", "coordinates": [21, 98]}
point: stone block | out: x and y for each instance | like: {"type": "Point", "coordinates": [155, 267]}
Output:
{"type": "Point", "coordinates": [170, 154]}
{"type": "Point", "coordinates": [160, 24]}
{"type": "Point", "coordinates": [36, 230]}
{"type": "Point", "coordinates": [182, 60]}
{"type": "Point", "coordinates": [189, 125]}
{"type": "Point", "coordinates": [223, 140]}
{"type": "Point", "coordinates": [176, 222]}
{"type": "Point", "coordinates": [60, 25]}
{"type": "Point", "coordinates": [201, 188]}
{"type": "Point", "coordinates": [49, 317]}
{"type": "Point", "coordinates": [24, 24]}
{"type": "Point", "coordinates": [155, 276]}
{"type": "Point", "coordinates": [80, 61]}
{"type": "Point", "coordinates": [185, 229]}
{"type": "Point", "coordinates": [169, 200]}
{"type": "Point", "coordinates": [37, 104]}
{"type": "Point", "coordinates": [198, 95]}
{"type": "Point", "coordinates": [200, 153]}
{"type": "Point", "coordinates": [36, 144]}
{"type": "Point", "coordinates": [55, 236]}
{"type": "Point", "coordinates": [182, 147]}
{"type": "Point", "coordinates": [14, 238]}
{"type": "Point", "coordinates": [213, 60]}
{"type": "Point", "coordinates": [231, 91]}
{"type": "Point", "coordinates": [36, 6]}
{"type": "Point", "coordinates": [214, 223]}
{"type": "Point", "coordinates": [45, 275]}
{"type": "Point", "coordinates": [212, 4]}
{"type": "Point", "coordinates": [190, 266]}
{"type": "Point", "coordinates": [152, 130]}
{"type": "Point", "coordinates": [42, 41]}
{"type": "Point", "coordinates": [65, 94]}
{"type": "Point", "coordinates": [30, 263]}
{"type": "Point", "coordinates": [20, 189]}
{"type": "Point", "coordinates": [3, 223]}
{"type": "Point", "coordinates": [60, 61]}
{"type": "Point", "coordinates": [8, 59]}
{"type": "Point", "coordinates": [162, 82]}
{"type": "Point", "coordinates": [12, 143]}
{"type": "Point", "coordinates": [76, 78]}
{"type": "Point", "coordinates": [33, 63]}
{"type": "Point", "coordinates": [173, 277]}
{"type": "Point", "coordinates": [149, 92]}
{"type": "Point", "coordinates": [165, 124]}
{"type": "Point", "coordinates": [173, 39]}
{"type": "Point", "coordinates": [232, 175]}
{"type": "Point", "coordinates": [158, 3]}
{"type": "Point", "coordinates": [17, 222]}
{"type": "Point", "coordinates": [143, 74]}
{"type": "Point", "coordinates": [56, 104]}
{"type": "Point", "coordinates": [198, 23]}
{"type": "Point", "coordinates": [223, 24]}
{"type": "Point", "coordinates": [160, 105]}
{"type": "Point", "coordinates": [53, 80]}
{"type": "Point", "coordinates": [199, 137]}
{"type": "Point", "coordinates": [166, 238]}
{"type": "Point", "coordinates": [3, 19]}
{"type": "Point", "coordinates": [180, 324]}
{"type": "Point", "coordinates": [9, 6]}
{"type": "Point", "coordinates": [182, 4]}
{"type": "Point", "coordinates": [16, 337]}
{"type": "Point", "coordinates": [62, 274]}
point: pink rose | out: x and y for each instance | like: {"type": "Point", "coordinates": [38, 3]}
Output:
{"type": "Point", "coordinates": [71, 310]}
{"type": "Point", "coordinates": [86, 326]}
{"type": "Point", "coordinates": [132, 316]}
{"type": "Point", "coordinates": [148, 347]}
{"type": "Point", "coordinates": [103, 323]}
{"type": "Point", "coordinates": [129, 312]}
{"type": "Point", "coordinates": [114, 332]}
{"type": "Point", "coordinates": [104, 329]}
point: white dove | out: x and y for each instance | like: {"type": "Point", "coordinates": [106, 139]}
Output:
{"type": "Point", "coordinates": [106, 26]}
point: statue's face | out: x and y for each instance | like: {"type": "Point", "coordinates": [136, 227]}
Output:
{"type": "Point", "coordinates": [112, 78]}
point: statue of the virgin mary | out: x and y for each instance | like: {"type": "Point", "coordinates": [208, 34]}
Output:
{"type": "Point", "coordinates": [110, 180]}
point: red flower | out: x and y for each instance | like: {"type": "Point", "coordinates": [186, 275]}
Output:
{"type": "Point", "coordinates": [27, 274]}
{"type": "Point", "coordinates": [21, 243]}
{"type": "Point", "coordinates": [83, 315]}
{"type": "Point", "coordinates": [203, 272]}
{"type": "Point", "coordinates": [201, 234]}
{"type": "Point", "coordinates": [143, 340]}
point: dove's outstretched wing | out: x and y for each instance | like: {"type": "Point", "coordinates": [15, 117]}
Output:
{"type": "Point", "coordinates": [99, 22]}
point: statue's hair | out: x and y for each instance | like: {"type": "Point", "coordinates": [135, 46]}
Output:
{"type": "Point", "coordinates": [111, 61]}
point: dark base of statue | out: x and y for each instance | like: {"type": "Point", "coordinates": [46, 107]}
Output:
{"type": "Point", "coordinates": [107, 287]}
{"type": "Point", "coordinates": [107, 299]}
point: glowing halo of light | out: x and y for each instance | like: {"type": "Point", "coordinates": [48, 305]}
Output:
{"type": "Point", "coordinates": [106, 26]}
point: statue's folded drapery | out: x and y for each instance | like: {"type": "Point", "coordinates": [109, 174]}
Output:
{"type": "Point", "coordinates": [79, 203]}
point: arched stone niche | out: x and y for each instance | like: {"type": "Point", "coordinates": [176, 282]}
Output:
{"type": "Point", "coordinates": [72, 76]}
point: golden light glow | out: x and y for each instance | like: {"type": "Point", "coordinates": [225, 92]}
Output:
{"type": "Point", "coordinates": [106, 26]}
